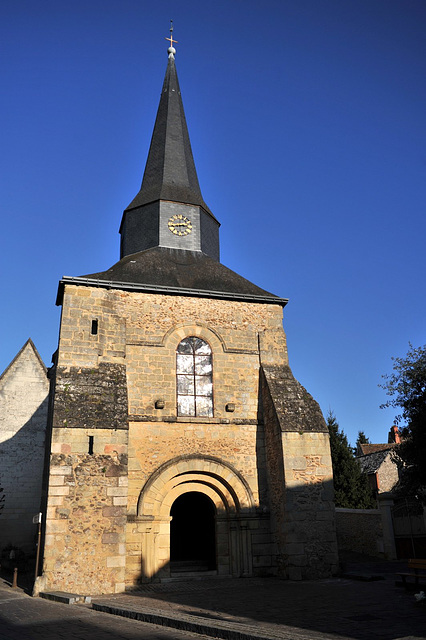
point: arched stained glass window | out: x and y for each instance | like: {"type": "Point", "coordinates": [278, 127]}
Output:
{"type": "Point", "coordinates": [194, 378]}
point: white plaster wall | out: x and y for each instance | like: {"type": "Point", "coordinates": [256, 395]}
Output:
{"type": "Point", "coordinates": [23, 416]}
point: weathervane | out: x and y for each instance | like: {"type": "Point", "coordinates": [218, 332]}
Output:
{"type": "Point", "coordinates": [171, 50]}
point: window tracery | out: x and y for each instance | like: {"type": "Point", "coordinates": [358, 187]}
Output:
{"type": "Point", "coordinates": [194, 373]}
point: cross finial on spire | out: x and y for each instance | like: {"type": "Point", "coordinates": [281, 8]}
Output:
{"type": "Point", "coordinates": [171, 50]}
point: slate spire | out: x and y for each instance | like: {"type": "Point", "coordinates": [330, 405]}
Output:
{"type": "Point", "coordinates": [169, 210]}
{"type": "Point", "coordinates": [170, 172]}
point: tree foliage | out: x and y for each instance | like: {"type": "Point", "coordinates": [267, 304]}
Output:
{"type": "Point", "coordinates": [406, 387]}
{"type": "Point", "coordinates": [362, 438]}
{"type": "Point", "coordinates": [351, 487]}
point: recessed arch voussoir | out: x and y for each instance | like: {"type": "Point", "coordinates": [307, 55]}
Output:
{"type": "Point", "coordinates": [224, 485]}
{"type": "Point", "coordinates": [172, 338]}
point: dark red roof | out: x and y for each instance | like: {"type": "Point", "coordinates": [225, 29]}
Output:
{"type": "Point", "coordinates": [373, 448]}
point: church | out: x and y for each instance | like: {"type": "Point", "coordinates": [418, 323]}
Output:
{"type": "Point", "coordinates": [179, 442]}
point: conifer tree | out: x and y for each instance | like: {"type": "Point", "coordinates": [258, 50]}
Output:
{"type": "Point", "coordinates": [351, 487]}
{"type": "Point", "coordinates": [362, 438]}
{"type": "Point", "coordinates": [406, 387]}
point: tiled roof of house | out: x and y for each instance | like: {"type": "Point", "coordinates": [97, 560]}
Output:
{"type": "Point", "coordinates": [374, 448]}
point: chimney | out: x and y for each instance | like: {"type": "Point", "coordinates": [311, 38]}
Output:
{"type": "Point", "coordinates": [394, 436]}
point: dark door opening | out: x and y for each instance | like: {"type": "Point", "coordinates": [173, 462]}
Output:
{"type": "Point", "coordinates": [192, 533]}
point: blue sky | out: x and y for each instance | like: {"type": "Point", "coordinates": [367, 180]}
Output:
{"type": "Point", "coordinates": [307, 122]}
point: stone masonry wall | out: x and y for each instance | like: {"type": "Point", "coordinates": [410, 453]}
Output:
{"type": "Point", "coordinates": [360, 530]}
{"type": "Point", "coordinates": [86, 514]}
{"type": "Point", "coordinates": [153, 444]}
{"type": "Point", "coordinates": [277, 488]}
{"type": "Point", "coordinates": [301, 477]}
{"type": "Point", "coordinates": [23, 418]}
{"type": "Point", "coordinates": [85, 539]}
{"type": "Point", "coordinates": [387, 474]}
{"type": "Point", "coordinates": [91, 397]}
{"type": "Point", "coordinates": [140, 332]}
{"type": "Point", "coordinates": [310, 523]}
{"type": "Point", "coordinates": [149, 327]}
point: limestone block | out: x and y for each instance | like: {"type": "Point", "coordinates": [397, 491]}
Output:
{"type": "Point", "coordinates": [116, 561]}
{"type": "Point", "coordinates": [63, 470]}
{"type": "Point", "coordinates": [59, 491]}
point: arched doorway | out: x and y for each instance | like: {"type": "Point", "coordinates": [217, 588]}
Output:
{"type": "Point", "coordinates": [233, 512]}
{"type": "Point", "coordinates": [192, 533]}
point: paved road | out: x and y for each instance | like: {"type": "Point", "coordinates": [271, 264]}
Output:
{"type": "Point", "coordinates": [334, 609]}
{"type": "Point", "coordinates": [26, 618]}
{"type": "Point", "coordinates": [338, 609]}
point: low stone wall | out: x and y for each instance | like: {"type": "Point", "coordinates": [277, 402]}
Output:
{"type": "Point", "coordinates": [360, 530]}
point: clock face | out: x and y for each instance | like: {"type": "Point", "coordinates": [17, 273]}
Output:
{"type": "Point", "coordinates": [180, 225]}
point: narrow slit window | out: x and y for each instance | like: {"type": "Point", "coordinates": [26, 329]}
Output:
{"type": "Point", "coordinates": [91, 441]}
{"type": "Point", "coordinates": [94, 329]}
{"type": "Point", "coordinates": [194, 373]}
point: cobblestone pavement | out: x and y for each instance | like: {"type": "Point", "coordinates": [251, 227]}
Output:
{"type": "Point", "coordinates": [25, 618]}
{"type": "Point", "coordinates": [334, 609]}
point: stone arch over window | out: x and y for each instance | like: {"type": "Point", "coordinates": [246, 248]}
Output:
{"type": "Point", "coordinates": [194, 378]}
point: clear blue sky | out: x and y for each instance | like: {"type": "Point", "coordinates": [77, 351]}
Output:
{"type": "Point", "coordinates": [307, 121]}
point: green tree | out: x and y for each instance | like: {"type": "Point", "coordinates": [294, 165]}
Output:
{"type": "Point", "coordinates": [362, 439]}
{"type": "Point", "coordinates": [406, 387]}
{"type": "Point", "coordinates": [351, 487]}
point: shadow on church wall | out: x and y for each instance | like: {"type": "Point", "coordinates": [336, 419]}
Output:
{"type": "Point", "coordinates": [21, 473]}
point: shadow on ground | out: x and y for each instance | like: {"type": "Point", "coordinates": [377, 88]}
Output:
{"type": "Point", "coordinates": [26, 618]}
{"type": "Point", "coordinates": [345, 607]}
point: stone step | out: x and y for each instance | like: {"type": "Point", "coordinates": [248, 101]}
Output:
{"type": "Point", "coordinates": [182, 566]}
{"type": "Point", "coordinates": [65, 598]}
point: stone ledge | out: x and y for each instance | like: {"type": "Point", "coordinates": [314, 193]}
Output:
{"type": "Point", "coordinates": [65, 598]}
{"type": "Point", "coordinates": [193, 420]}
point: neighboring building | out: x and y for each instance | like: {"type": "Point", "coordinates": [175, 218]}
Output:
{"type": "Point", "coordinates": [181, 442]}
{"type": "Point", "coordinates": [24, 389]}
{"type": "Point", "coordinates": [379, 464]}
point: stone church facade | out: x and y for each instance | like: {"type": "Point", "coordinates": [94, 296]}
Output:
{"type": "Point", "coordinates": [180, 442]}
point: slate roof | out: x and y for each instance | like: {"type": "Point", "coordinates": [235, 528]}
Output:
{"type": "Point", "coordinates": [371, 462]}
{"type": "Point", "coordinates": [175, 271]}
{"type": "Point", "coordinates": [295, 408]}
{"type": "Point", "coordinates": [170, 172]}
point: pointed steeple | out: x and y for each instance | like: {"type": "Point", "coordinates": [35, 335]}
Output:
{"type": "Point", "coordinates": [169, 209]}
{"type": "Point", "coordinates": [170, 172]}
